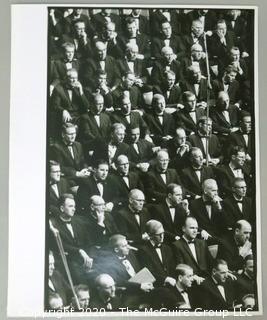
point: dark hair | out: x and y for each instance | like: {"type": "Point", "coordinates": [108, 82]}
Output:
{"type": "Point", "coordinates": [63, 198]}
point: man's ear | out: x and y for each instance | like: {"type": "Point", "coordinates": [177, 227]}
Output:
{"type": "Point", "coordinates": [61, 208]}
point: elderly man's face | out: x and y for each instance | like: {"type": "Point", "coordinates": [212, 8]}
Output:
{"type": "Point", "coordinates": [243, 234]}
{"type": "Point", "coordinates": [163, 161]}
{"type": "Point", "coordinates": [131, 29]}
{"type": "Point", "coordinates": [166, 30]}
{"type": "Point", "coordinates": [123, 165]}
{"type": "Point", "coordinates": [240, 188]}
{"type": "Point", "coordinates": [170, 80]}
{"type": "Point", "coordinates": [197, 53]}
{"type": "Point", "coordinates": [55, 173]}
{"type": "Point", "coordinates": [197, 29]}
{"type": "Point", "coordinates": [135, 135]}
{"type": "Point", "coordinates": [235, 55]}
{"type": "Point", "coordinates": [123, 248]}
{"type": "Point", "coordinates": [108, 289]}
{"type": "Point", "coordinates": [229, 77]}
{"type": "Point", "coordinates": [221, 29]}
{"type": "Point", "coordinates": [129, 80]}
{"type": "Point", "coordinates": [211, 191]}
{"type": "Point", "coordinates": [118, 135]}
{"type": "Point", "coordinates": [68, 207]}
{"type": "Point", "coordinates": [246, 124]}
{"type": "Point", "coordinates": [98, 206]}
{"type": "Point", "coordinates": [177, 196]}
{"type": "Point", "coordinates": [187, 278]}
{"type": "Point", "coordinates": [79, 28]}
{"type": "Point", "coordinates": [220, 273]}
{"type": "Point", "coordinates": [205, 127]}
{"type": "Point", "coordinates": [69, 135]}
{"type": "Point", "coordinates": [132, 53]}
{"type": "Point", "coordinates": [98, 105]}
{"type": "Point", "coordinates": [239, 159]}
{"type": "Point", "coordinates": [159, 105]}
{"type": "Point", "coordinates": [191, 228]}
{"type": "Point", "coordinates": [197, 158]}
{"type": "Point", "coordinates": [72, 78]}
{"type": "Point", "coordinates": [196, 75]}
{"type": "Point", "coordinates": [223, 101]}
{"type": "Point", "coordinates": [137, 201]}
{"type": "Point", "coordinates": [158, 235]}
{"type": "Point", "coordinates": [101, 51]}
{"type": "Point", "coordinates": [84, 298]}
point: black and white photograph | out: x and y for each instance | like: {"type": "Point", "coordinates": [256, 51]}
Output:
{"type": "Point", "coordinates": [150, 189]}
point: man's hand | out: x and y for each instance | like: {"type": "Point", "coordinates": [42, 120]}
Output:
{"type": "Point", "coordinates": [84, 173]}
{"type": "Point", "coordinates": [143, 166]}
{"type": "Point", "coordinates": [214, 161]}
{"type": "Point", "coordinates": [109, 206]}
{"type": "Point", "coordinates": [171, 281]}
{"type": "Point", "coordinates": [139, 82]}
{"type": "Point", "coordinates": [145, 236]}
{"type": "Point", "coordinates": [198, 279]}
{"type": "Point", "coordinates": [78, 85]}
{"type": "Point", "coordinates": [217, 201]}
{"type": "Point", "coordinates": [231, 276]}
{"type": "Point", "coordinates": [182, 149]}
{"type": "Point", "coordinates": [185, 205]}
{"type": "Point", "coordinates": [66, 117]}
{"type": "Point", "coordinates": [202, 104]}
{"type": "Point", "coordinates": [147, 286]}
{"type": "Point", "coordinates": [156, 149]}
{"type": "Point", "coordinates": [87, 261]}
{"type": "Point", "coordinates": [168, 137]}
{"type": "Point", "coordinates": [148, 138]}
{"type": "Point", "coordinates": [245, 250]}
{"type": "Point", "coordinates": [205, 235]}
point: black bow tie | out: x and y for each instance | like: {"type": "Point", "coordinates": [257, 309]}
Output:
{"type": "Point", "coordinates": [191, 241]}
{"type": "Point", "coordinates": [239, 201]}
{"type": "Point", "coordinates": [66, 222]}
{"type": "Point", "coordinates": [183, 291]}
{"type": "Point", "coordinates": [156, 246]}
{"type": "Point", "coordinates": [208, 203]}
{"type": "Point", "coordinates": [197, 169]}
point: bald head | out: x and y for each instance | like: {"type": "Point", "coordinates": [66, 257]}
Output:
{"type": "Point", "coordinates": [210, 189]}
{"type": "Point", "coordinates": [242, 232]}
{"type": "Point", "coordinates": [153, 226]}
{"type": "Point", "coordinates": [122, 164]}
{"type": "Point", "coordinates": [105, 286]}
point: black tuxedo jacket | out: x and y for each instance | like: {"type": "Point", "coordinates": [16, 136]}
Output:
{"type": "Point", "coordinates": [155, 187]}
{"type": "Point", "coordinates": [97, 234]}
{"type": "Point", "coordinates": [217, 49]}
{"type": "Point", "coordinates": [143, 42]}
{"type": "Point", "coordinates": [202, 91]}
{"type": "Point", "coordinates": [145, 152]}
{"type": "Point", "coordinates": [111, 264]}
{"type": "Point", "coordinates": [220, 125]}
{"type": "Point", "coordinates": [89, 188]}
{"type": "Point", "coordinates": [188, 41]}
{"type": "Point", "coordinates": [97, 303]}
{"type": "Point", "coordinates": [128, 224]}
{"type": "Point", "coordinates": [216, 225]}
{"type": "Point", "coordinates": [143, 23]}
{"type": "Point", "coordinates": [63, 186]}
{"type": "Point", "coordinates": [91, 67]}
{"type": "Point", "coordinates": [187, 62]}
{"type": "Point", "coordinates": [83, 51]}
{"type": "Point", "coordinates": [157, 18]}
{"type": "Point", "coordinates": [174, 96]}
{"type": "Point", "coordinates": [60, 101]}
{"type": "Point", "coordinates": [233, 212]}
{"type": "Point", "coordinates": [59, 70]}
{"type": "Point", "coordinates": [228, 251]}
{"type": "Point", "coordinates": [204, 259]}
{"type": "Point", "coordinates": [60, 153]}
{"type": "Point", "coordinates": [210, 297]}
{"type": "Point", "coordinates": [134, 93]}
{"type": "Point", "coordinates": [233, 90]}
{"type": "Point", "coordinates": [177, 161]}
{"type": "Point", "coordinates": [89, 130]}
{"type": "Point", "coordinates": [139, 68]}
{"type": "Point", "coordinates": [184, 120]}
{"type": "Point", "coordinates": [159, 68]}
{"type": "Point", "coordinates": [158, 130]}
{"type": "Point", "coordinates": [136, 120]}
{"type": "Point", "coordinates": [215, 149]}
{"type": "Point", "coordinates": [225, 178]}
{"type": "Point", "coordinates": [244, 285]}
{"type": "Point", "coordinates": [177, 298]}
{"type": "Point", "coordinates": [237, 139]}
{"type": "Point", "coordinates": [176, 44]}
{"type": "Point", "coordinates": [190, 180]}
{"type": "Point", "coordinates": [99, 22]}
{"type": "Point", "coordinates": [100, 148]}
{"type": "Point", "coordinates": [150, 259]}
{"type": "Point", "coordinates": [161, 212]}
{"type": "Point", "coordinates": [121, 188]}
{"type": "Point", "coordinates": [71, 245]}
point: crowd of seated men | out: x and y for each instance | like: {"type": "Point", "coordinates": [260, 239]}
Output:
{"type": "Point", "coordinates": [151, 159]}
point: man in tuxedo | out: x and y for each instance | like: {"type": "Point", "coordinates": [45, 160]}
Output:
{"type": "Point", "coordinates": [204, 139]}
{"type": "Point", "coordinates": [57, 186]}
{"type": "Point", "coordinates": [196, 172]}
{"type": "Point", "coordinates": [109, 149]}
{"type": "Point", "coordinates": [80, 39]}
{"type": "Point", "coordinates": [60, 67]}
{"type": "Point", "coordinates": [102, 18]}
{"type": "Point", "coordinates": [216, 292]}
{"type": "Point", "coordinates": [103, 62]}
{"type": "Point", "coordinates": [121, 263]}
{"type": "Point", "coordinates": [98, 183]}
{"type": "Point", "coordinates": [171, 212]}
{"type": "Point", "coordinates": [141, 151]}
{"type": "Point", "coordinates": [105, 294]}
{"type": "Point", "coordinates": [129, 118]}
{"type": "Point", "coordinates": [55, 302]}
{"type": "Point", "coordinates": [246, 281]}
{"type": "Point", "coordinates": [95, 124]}
{"type": "Point", "coordinates": [130, 62]}
{"type": "Point", "coordinates": [69, 154]}
{"type": "Point", "coordinates": [192, 251]}
{"type": "Point", "coordinates": [98, 221]}
{"type": "Point", "coordinates": [238, 206]}
{"type": "Point", "coordinates": [132, 36]}
{"type": "Point", "coordinates": [74, 238]}
{"type": "Point", "coordinates": [100, 86]}
{"type": "Point", "coordinates": [141, 21]}
{"type": "Point", "coordinates": [131, 220]}
{"type": "Point", "coordinates": [228, 83]}
{"type": "Point", "coordinates": [166, 62]}
{"type": "Point", "coordinates": [237, 246]}
{"type": "Point", "coordinates": [157, 179]}
{"type": "Point", "coordinates": [188, 117]}
{"type": "Point", "coordinates": [171, 92]}
{"type": "Point", "coordinates": [195, 37]}
{"type": "Point", "coordinates": [83, 297]}
{"type": "Point", "coordinates": [242, 137]}
{"type": "Point", "coordinates": [169, 39]}
{"type": "Point", "coordinates": [225, 116]}
{"type": "Point", "coordinates": [178, 149]}
{"type": "Point", "coordinates": [183, 295]}
{"type": "Point", "coordinates": [56, 282]}
{"type": "Point", "coordinates": [68, 102]}
{"type": "Point", "coordinates": [124, 180]}
{"type": "Point", "coordinates": [160, 123]}
{"type": "Point", "coordinates": [159, 16]}
{"type": "Point", "coordinates": [209, 212]}
{"type": "Point", "coordinates": [158, 256]}
{"type": "Point", "coordinates": [236, 168]}
{"type": "Point", "coordinates": [197, 84]}
{"type": "Point", "coordinates": [221, 41]}
{"type": "Point", "coordinates": [196, 57]}
{"type": "Point", "coordinates": [127, 89]}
